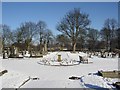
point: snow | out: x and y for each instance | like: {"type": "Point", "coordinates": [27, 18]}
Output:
{"type": "Point", "coordinates": [19, 70]}
{"type": "Point", "coordinates": [94, 81]}
{"type": "Point", "coordinates": [53, 84]}
{"type": "Point", "coordinates": [13, 79]}
{"type": "Point", "coordinates": [66, 57]}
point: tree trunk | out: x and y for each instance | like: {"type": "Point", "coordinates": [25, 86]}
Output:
{"type": "Point", "coordinates": [41, 49]}
{"type": "Point", "coordinates": [74, 47]}
{"type": "Point", "coordinates": [28, 48]}
{"type": "Point", "coordinates": [45, 46]}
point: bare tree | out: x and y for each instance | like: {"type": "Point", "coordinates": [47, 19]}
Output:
{"type": "Point", "coordinates": [108, 33]}
{"type": "Point", "coordinates": [72, 23]}
{"type": "Point", "coordinates": [105, 35]}
{"type": "Point", "coordinates": [41, 27]}
{"type": "Point", "coordinates": [114, 27]}
{"type": "Point", "coordinates": [19, 35]}
{"type": "Point", "coordinates": [81, 44]}
{"type": "Point", "coordinates": [47, 38]}
{"type": "Point", "coordinates": [63, 40]}
{"type": "Point", "coordinates": [7, 36]}
{"type": "Point", "coordinates": [93, 36]}
{"type": "Point", "coordinates": [26, 33]}
{"type": "Point", "coordinates": [48, 35]}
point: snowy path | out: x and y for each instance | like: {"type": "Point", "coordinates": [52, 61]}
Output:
{"type": "Point", "coordinates": [49, 76]}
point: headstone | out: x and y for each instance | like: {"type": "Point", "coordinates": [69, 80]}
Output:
{"type": "Point", "coordinates": [110, 54]}
{"type": "Point", "coordinates": [5, 55]}
{"type": "Point", "coordinates": [99, 54]}
{"type": "Point", "coordinates": [27, 54]}
{"type": "Point", "coordinates": [16, 51]}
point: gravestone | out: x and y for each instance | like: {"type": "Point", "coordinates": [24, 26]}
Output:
{"type": "Point", "coordinates": [16, 51]}
{"type": "Point", "coordinates": [13, 52]}
{"type": "Point", "coordinates": [5, 54]}
{"type": "Point", "coordinates": [27, 54]}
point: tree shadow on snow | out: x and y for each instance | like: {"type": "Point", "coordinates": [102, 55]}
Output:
{"type": "Point", "coordinates": [95, 87]}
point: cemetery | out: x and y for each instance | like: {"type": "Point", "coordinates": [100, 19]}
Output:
{"type": "Point", "coordinates": [58, 45]}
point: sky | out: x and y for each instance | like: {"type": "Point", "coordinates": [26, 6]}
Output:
{"type": "Point", "coordinates": [14, 13]}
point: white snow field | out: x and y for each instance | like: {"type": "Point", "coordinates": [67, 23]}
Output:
{"type": "Point", "coordinates": [28, 73]}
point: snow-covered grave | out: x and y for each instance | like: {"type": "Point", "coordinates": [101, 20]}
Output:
{"type": "Point", "coordinates": [67, 59]}
{"type": "Point", "coordinates": [47, 76]}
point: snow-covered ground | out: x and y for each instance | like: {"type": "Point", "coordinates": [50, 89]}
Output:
{"type": "Point", "coordinates": [19, 70]}
{"type": "Point", "coordinates": [13, 79]}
